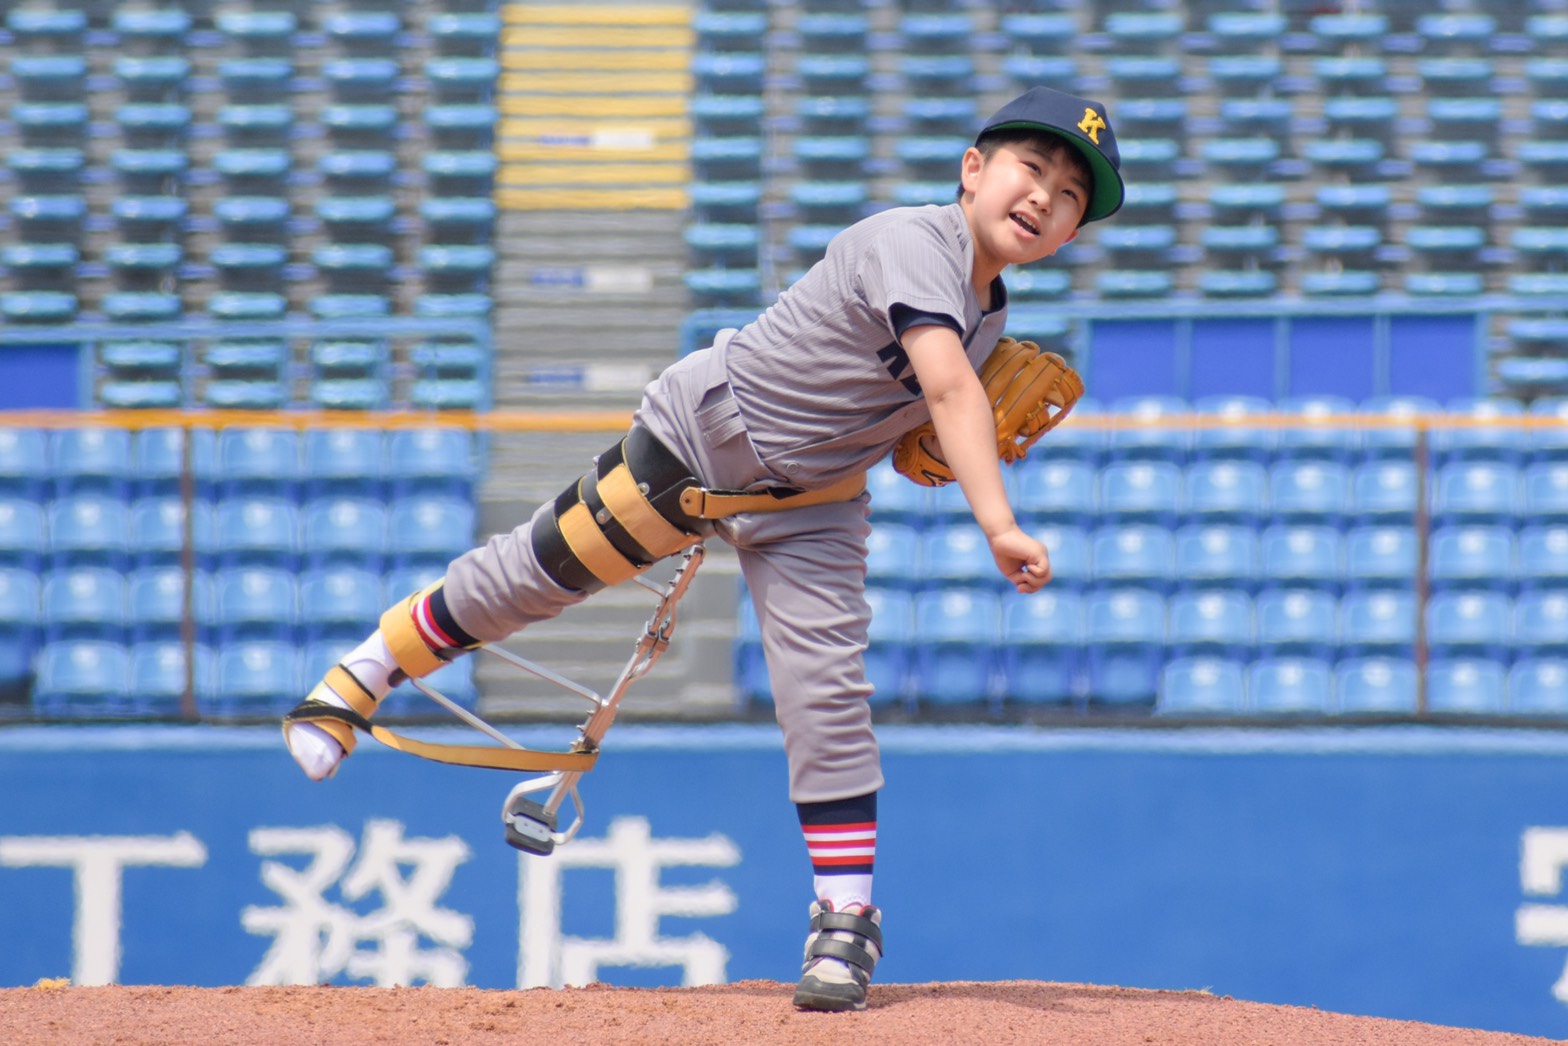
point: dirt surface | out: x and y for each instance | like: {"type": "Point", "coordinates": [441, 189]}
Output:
{"type": "Point", "coordinates": [747, 1012]}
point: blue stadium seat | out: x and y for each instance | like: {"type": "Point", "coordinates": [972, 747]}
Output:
{"type": "Point", "coordinates": [83, 678]}
{"type": "Point", "coordinates": [1474, 557]}
{"type": "Point", "coordinates": [1139, 491]}
{"type": "Point", "coordinates": [1217, 556]}
{"type": "Point", "coordinates": [1384, 491]}
{"type": "Point", "coordinates": [254, 603]}
{"type": "Point", "coordinates": [1479, 440]}
{"type": "Point", "coordinates": [1215, 622]}
{"type": "Point", "coordinates": [1544, 493]}
{"type": "Point", "coordinates": [93, 459]}
{"type": "Point", "coordinates": [24, 463]}
{"type": "Point", "coordinates": [158, 676]}
{"type": "Point", "coordinates": [1069, 549]}
{"type": "Point", "coordinates": [1466, 686]}
{"type": "Point", "coordinates": [433, 461]}
{"type": "Point", "coordinates": [20, 606]}
{"type": "Point", "coordinates": [1201, 686]}
{"type": "Point", "coordinates": [1540, 623]}
{"type": "Point", "coordinates": [429, 531]}
{"type": "Point", "coordinates": [340, 603]}
{"type": "Point", "coordinates": [258, 460]}
{"type": "Point", "coordinates": [1543, 556]}
{"type": "Point", "coordinates": [1142, 435]}
{"type": "Point", "coordinates": [956, 632]}
{"type": "Point", "coordinates": [88, 530]}
{"type": "Point", "coordinates": [1232, 439]}
{"type": "Point", "coordinates": [158, 457]}
{"type": "Point", "coordinates": [84, 603]}
{"type": "Point", "coordinates": [1307, 491]}
{"type": "Point", "coordinates": [1297, 622]}
{"type": "Point", "coordinates": [1548, 443]}
{"type": "Point", "coordinates": [890, 639]}
{"type": "Point", "coordinates": [343, 531]}
{"type": "Point", "coordinates": [750, 667]}
{"type": "Point", "coordinates": [1383, 556]}
{"type": "Point", "coordinates": [1376, 686]}
{"type": "Point", "coordinates": [1054, 490]}
{"type": "Point", "coordinates": [23, 533]}
{"type": "Point", "coordinates": [1042, 647]}
{"type": "Point", "coordinates": [1377, 622]}
{"type": "Point", "coordinates": [1138, 554]}
{"type": "Point", "coordinates": [1125, 634]}
{"type": "Point", "coordinates": [893, 556]}
{"type": "Point", "coordinates": [1469, 624]}
{"type": "Point", "coordinates": [1302, 556]}
{"type": "Point", "coordinates": [895, 498]}
{"type": "Point", "coordinates": [255, 678]}
{"type": "Point", "coordinates": [1472, 491]}
{"type": "Point", "coordinates": [1290, 686]}
{"type": "Point", "coordinates": [1538, 686]}
{"type": "Point", "coordinates": [256, 531]}
{"type": "Point", "coordinates": [1225, 491]}
{"type": "Point", "coordinates": [1384, 435]}
{"type": "Point", "coordinates": [1077, 436]}
{"type": "Point", "coordinates": [156, 603]}
{"type": "Point", "coordinates": [344, 462]}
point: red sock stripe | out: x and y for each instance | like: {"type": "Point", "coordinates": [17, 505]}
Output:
{"type": "Point", "coordinates": [429, 631]}
{"type": "Point", "coordinates": [842, 845]}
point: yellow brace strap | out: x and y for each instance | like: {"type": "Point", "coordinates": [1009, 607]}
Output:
{"type": "Point", "coordinates": [631, 508]}
{"type": "Point", "coordinates": [333, 718]}
{"type": "Point", "coordinates": [342, 683]}
{"type": "Point", "coordinates": [717, 504]}
{"type": "Point", "coordinates": [593, 549]}
{"type": "Point", "coordinates": [397, 628]}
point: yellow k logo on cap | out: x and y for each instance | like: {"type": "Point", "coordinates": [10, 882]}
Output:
{"type": "Point", "coordinates": [1092, 124]}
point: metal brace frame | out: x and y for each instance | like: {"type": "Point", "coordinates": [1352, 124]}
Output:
{"type": "Point", "coordinates": [530, 824]}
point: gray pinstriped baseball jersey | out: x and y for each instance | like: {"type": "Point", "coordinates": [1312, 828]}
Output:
{"type": "Point", "coordinates": [821, 379]}
{"type": "Point", "coordinates": [816, 388]}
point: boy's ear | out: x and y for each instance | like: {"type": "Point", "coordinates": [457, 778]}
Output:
{"type": "Point", "coordinates": [1071, 237]}
{"type": "Point", "coordinates": [969, 168]}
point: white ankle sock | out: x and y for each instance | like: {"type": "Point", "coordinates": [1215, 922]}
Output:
{"type": "Point", "coordinates": [318, 752]}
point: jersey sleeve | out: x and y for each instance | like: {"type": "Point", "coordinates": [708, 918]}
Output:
{"type": "Point", "coordinates": [909, 269]}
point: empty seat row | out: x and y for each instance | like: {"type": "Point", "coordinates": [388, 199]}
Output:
{"type": "Point", "coordinates": [1200, 556]}
{"type": "Point", "coordinates": [38, 463]}
{"type": "Point", "coordinates": [90, 530]}
{"type": "Point", "coordinates": [337, 602]}
{"type": "Point", "coordinates": [251, 679]}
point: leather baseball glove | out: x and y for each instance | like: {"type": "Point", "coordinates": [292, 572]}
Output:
{"type": "Point", "coordinates": [1030, 391]}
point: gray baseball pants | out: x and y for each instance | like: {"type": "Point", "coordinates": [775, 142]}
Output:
{"type": "Point", "coordinates": [805, 567]}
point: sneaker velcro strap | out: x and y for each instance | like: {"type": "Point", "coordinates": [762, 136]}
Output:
{"type": "Point", "coordinates": [848, 951]}
{"type": "Point", "coordinates": [848, 923]}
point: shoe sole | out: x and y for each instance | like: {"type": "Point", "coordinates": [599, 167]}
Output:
{"type": "Point", "coordinates": [828, 998]}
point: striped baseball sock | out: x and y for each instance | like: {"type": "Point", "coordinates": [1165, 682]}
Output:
{"type": "Point", "coordinates": [841, 839]}
{"type": "Point", "coordinates": [434, 623]}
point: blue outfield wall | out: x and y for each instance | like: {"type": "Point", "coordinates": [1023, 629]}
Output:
{"type": "Point", "coordinates": [1408, 872]}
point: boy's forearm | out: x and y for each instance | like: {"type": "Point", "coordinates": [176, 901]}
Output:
{"type": "Point", "coordinates": [967, 431]}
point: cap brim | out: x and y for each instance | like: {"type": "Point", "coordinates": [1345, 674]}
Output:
{"type": "Point", "coordinates": [1108, 192]}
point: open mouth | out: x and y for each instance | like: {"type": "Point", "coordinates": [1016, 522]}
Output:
{"type": "Point", "coordinates": [1025, 224]}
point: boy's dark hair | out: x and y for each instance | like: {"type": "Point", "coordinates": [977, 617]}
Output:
{"type": "Point", "coordinates": [1047, 144]}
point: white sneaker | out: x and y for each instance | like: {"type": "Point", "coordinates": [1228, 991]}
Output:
{"type": "Point", "coordinates": [841, 951]}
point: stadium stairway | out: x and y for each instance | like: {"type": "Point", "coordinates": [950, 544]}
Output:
{"type": "Point", "coordinates": [592, 194]}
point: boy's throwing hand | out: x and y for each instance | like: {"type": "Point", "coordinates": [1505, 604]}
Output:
{"type": "Point", "coordinates": [1021, 559]}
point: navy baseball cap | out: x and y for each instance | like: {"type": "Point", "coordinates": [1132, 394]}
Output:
{"type": "Point", "coordinates": [1083, 124]}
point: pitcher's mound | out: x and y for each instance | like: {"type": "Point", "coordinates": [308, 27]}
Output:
{"type": "Point", "coordinates": [745, 1013]}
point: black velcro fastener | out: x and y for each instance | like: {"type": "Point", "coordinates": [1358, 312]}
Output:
{"type": "Point", "coordinates": [846, 922]}
{"type": "Point", "coordinates": [555, 556]}
{"type": "Point", "coordinates": [848, 951]}
{"type": "Point", "coordinates": [651, 462]}
{"type": "Point", "coordinates": [319, 710]}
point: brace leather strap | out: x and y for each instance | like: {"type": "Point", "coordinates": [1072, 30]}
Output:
{"type": "Point", "coordinates": [631, 508]}
{"type": "Point", "coordinates": [489, 757]}
{"type": "Point", "coordinates": [397, 628]}
{"type": "Point", "coordinates": [341, 682]}
{"type": "Point", "coordinates": [717, 504]}
{"type": "Point", "coordinates": [588, 543]}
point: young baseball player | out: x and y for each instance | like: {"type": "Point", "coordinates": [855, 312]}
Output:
{"type": "Point", "coordinates": [762, 440]}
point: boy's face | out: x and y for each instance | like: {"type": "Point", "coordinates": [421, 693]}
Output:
{"type": "Point", "coordinates": [1025, 202]}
